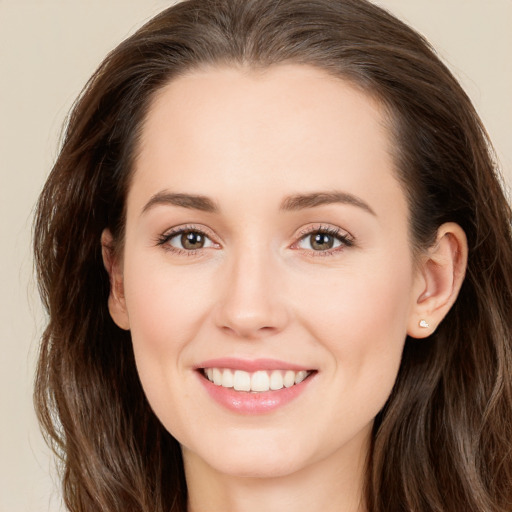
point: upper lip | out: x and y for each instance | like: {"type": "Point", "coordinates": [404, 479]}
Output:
{"type": "Point", "coordinates": [251, 365]}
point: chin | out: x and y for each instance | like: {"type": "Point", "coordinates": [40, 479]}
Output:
{"type": "Point", "coordinates": [272, 466]}
{"type": "Point", "coordinates": [258, 459]}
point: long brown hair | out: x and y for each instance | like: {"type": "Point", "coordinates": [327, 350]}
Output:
{"type": "Point", "coordinates": [443, 441]}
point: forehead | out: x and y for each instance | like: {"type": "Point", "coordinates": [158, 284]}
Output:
{"type": "Point", "coordinates": [287, 128]}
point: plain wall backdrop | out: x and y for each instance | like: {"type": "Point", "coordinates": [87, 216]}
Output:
{"type": "Point", "coordinates": [48, 49]}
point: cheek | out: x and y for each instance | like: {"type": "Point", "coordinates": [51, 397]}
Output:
{"type": "Point", "coordinates": [372, 300]}
{"type": "Point", "coordinates": [166, 307]}
{"type": "Point", "coordinates": [165, 304]}
{"type": "Point", "coordinates": [362, 318]}
{"type": "Point", "coordinates": [362, 324]}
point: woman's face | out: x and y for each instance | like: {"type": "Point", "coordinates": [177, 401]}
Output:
{"type": "Point", "coordinates": [266, 243]}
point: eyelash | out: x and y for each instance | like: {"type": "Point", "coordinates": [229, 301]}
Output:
{"type": "Point", "coordinates": [342, 236]}
{"type": "Point", "coordinates": [164, 239]}
{"type": "Point", "coordinates": [345, 239]}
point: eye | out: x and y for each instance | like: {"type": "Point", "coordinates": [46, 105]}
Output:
{"type": "Point", "coordinates": [189, 240]}
{"type": "Point", "coordinates": [186, 240]}
{"type": "Point", "coordinates": [324, 240]}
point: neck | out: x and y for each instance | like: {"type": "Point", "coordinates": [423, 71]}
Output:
{"type": "Point", "coordinates": [335, 483]}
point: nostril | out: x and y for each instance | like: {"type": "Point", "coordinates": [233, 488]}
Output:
{"type": "Point", "coordinates": [248, 332]}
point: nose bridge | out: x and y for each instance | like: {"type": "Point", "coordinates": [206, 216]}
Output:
{"type": "Point", "coordinates": [251, 304]}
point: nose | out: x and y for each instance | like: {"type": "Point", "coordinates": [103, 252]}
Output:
{"type": "Point", "coordinates": [252, 301]}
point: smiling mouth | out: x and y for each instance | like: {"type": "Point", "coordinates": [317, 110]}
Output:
{"type": "Point", "coordinates": [256, 382]}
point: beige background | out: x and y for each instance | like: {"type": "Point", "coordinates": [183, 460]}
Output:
{"type": "Point", "coordinates": [48, 48]}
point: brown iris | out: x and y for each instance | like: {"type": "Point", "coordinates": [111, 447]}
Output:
{"type": "Point", "coordinates": [321, 241]}
{"type": "Point", "coordinates": [192, 240]}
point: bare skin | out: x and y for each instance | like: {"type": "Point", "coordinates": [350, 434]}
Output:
{"type": "Point", "coordinates": [298, 251]}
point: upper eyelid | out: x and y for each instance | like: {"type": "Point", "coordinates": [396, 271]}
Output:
{"type": "Point", "coordinates": [176, 230]}
{"type": "Point", "coordinates": [324, 228]}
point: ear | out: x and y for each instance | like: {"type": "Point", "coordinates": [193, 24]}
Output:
{"type": "Point", "coordinates": [116, 300]}
{"type": "Point", "coordinates": [439, 279]}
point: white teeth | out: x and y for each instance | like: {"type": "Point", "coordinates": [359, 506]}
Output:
{"type": "Point", "coordinates": [258, 381]}
{"type": "Point", "coordinates": [276, 380]}
{"type": "Point", "coordinates": [217, 377]}
{"type": "Point", "coordinates": [289, 379]}
{"type": "Point", "coordinates": [227, 379]}
{"type": "Point", "coordinates": [242, 381]}
{"type": "Point", "coordinates": [300, 376]}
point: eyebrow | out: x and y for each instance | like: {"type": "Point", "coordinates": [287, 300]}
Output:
{"type": "Point", "coordinates": [191, 201]}
{"type": "Point", "coordinates": [303, 201]}
{"type": "Point", "coordinates": [291, 203]}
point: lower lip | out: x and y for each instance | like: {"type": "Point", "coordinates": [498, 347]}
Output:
{"type": "Point", "coordinates": [246, 402]}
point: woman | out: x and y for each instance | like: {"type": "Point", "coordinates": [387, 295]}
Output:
{"type": "Point", "coordinates": [277, 263]}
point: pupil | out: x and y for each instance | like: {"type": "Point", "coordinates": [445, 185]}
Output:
{"type": "Point", "coordinates": [192, 240]}
{"type": "Point", "coordinates": [322, 241]}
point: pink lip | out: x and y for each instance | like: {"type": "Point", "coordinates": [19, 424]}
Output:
{"type": "Point", "coordinates": [250, 365]}
{"type": "Point", "coordinates": [246, 402]}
